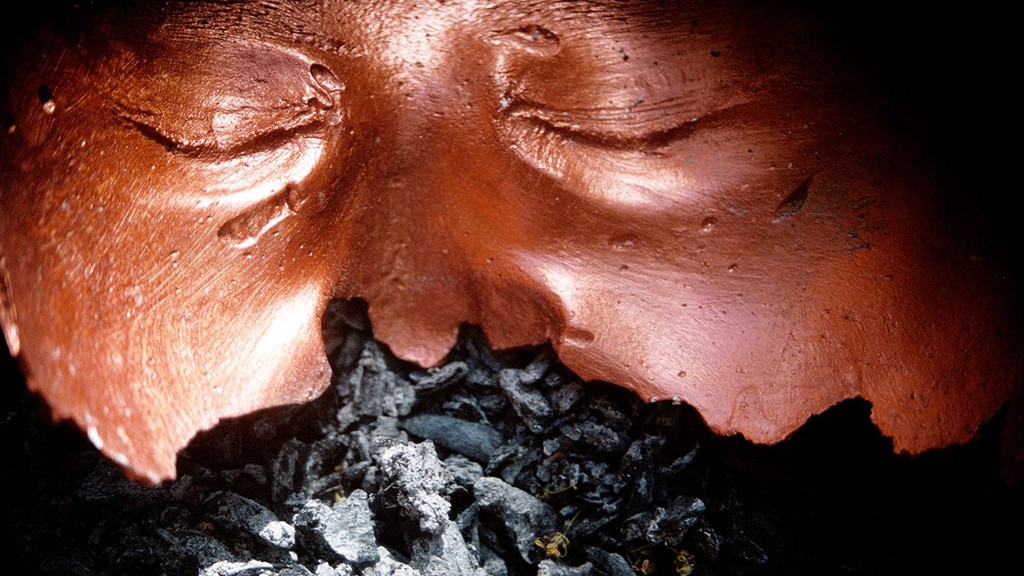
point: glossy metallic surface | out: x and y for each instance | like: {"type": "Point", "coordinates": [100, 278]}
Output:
{"type": "Point", "coordinates": [701, 202]}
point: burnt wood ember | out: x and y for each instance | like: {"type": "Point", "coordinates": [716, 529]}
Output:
{"type": "Point", "coordinates": [348, 485]}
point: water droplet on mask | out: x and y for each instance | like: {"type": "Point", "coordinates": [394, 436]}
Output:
{"type": "Point", "coordinates": [578, 337]}
{"type": "Point", "coordinates": [681, 373]}
{"type": "Point", "coordinates": [244, 230]}
{"type": "Point", "coordinates": [733, 267]}
{"type": "Point", "coordinates": [46, 99]}
{"type": "Point", "coordinates": [536, 39]}
{"type": "Point", "coordinates": [623, 241]}
{"type": "Point", "coordinates": [295, 198]}
{"type": "Point", "coordinates": [708, 223]}
{"type": "Point", "coordinates": [676, 400]}
{"type": "Point", "coordinates": [7, 310]}
{"type": "Point", "coordinates": [136, 295]}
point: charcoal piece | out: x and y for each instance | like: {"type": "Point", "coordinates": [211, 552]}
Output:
{"type": "Point", "coordinates": [584, 527]}
{"type": "Point", "coordinates": [360, 446]}
{"type": "Point", "coordinates": [107, 483]}
{"type": "Point", "coordinates": [554, 380]}
{"type": "Point", "coordinates": [559, 475]}
{"type": "Point", "coordinates": [346, 328]}
{"type": "Point", "coordinates": [387, 427]}
{"type": "Point", "coordinates": [446, 554]}
{"type": "Point", "coordinates": [565, 397]}
{"type": "Point", "coordinates": [537, 367]}
{"type": "Point", "coordinates": [640, 456]}
{"type": "Point", "coordinates": [479, 377]}
{"type": "Point", "coordinates": [439, 377]}
{"type": "Point", "coordinates": [344, 531]}
{"type": "Point", "coordinates": [610, 405]}
{"type": "Point", "coordinates": [484, 403]}
{"type": "Point", "coordinates": [235, 568]}
{"type": "Point", "coordinates": [302, 470]}
{"type": "Point", "coordinates": [472, 408]}
{"type": "Point", "coordinates": [236, 512]}
{"type": "Point", "coordinates": [522, 517]}
{"type": "Point", "coordinates": [417, 479]}
{"type": "Point", "coordinates": [471, 439]}
{"type": "Point", "coordinates": [609, 563]}
{"type": "Point", "coordinates": [250, 475]}
{"type": "Point", "coordinates": [641, 494]}
{"type": "Point", "coordinates": [325, 569]}
{"type": "Point", "coordinates": [373, 389]}
{"type": "Point", "coordinates": [464, 471]}
{"type": "Point", "coordinates": [388, 566]}
{"type": "Point", "coordinates": [551, 445]}
{"type": "Point", "coordinates": [468, 520]}
{"type": "Point", "coordinates": [552, 568]}
{"type": "Point", "coordinates": [680, 464]}
{"type": "Point", "coordinates": [741, 555]}
{"type": "Point", "coordinates": [670, 525]}
{"type": "Point", "coordinates": [707, 541]}
{"type": "Point", "coordinates": [128, 549]}
{"type": "Point", "coordinates": [531, 406]}
{"type": "Point", "coordinates": [354, 473]}
{"type": "Point", "coordinates": [511, 459]}
{"type": "Point", "coordinates": [595, 435]}
{"type": "Point", "coordinates": [285, 470]}
{"type": "Point", "coordinates": [479, 351]}
{"type": "Point", "coordinates": [345, 417]}
{"type": "Point", "coordinates": [495, 567]}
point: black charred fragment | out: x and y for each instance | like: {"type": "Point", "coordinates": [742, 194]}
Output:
{"type": "Point", "coordinates": [622, 480]}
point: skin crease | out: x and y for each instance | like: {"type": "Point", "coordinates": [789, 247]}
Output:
{"type": "Point", "coordinates": [700, 202]}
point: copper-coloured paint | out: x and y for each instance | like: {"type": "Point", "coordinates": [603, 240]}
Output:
{"type": "Point", "coordinates": [700, 202]}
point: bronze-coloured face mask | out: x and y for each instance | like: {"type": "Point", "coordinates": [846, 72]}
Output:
{"type": "Point", "coordinates": [702, 203]}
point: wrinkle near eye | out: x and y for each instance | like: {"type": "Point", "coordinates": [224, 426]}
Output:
{"type": "Point", "coordinates": [642, 126]}
{"type": "Point", "coordinates": [622, 120]}
{"type": "Point", "coordinates": [229, 99]}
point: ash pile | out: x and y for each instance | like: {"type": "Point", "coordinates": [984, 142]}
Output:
{"type": "Point", "coordinates": [492, 464]}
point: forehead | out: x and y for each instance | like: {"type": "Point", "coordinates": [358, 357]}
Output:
{"type": "Point", "coordinates": [354, 22]}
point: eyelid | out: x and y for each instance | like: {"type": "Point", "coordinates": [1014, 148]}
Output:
{"type": "Point", "coordinates": [239, 100]}
{"type": "Point", "coordinates": [634, 159]}
{"type": "Point", "coordinates": [641, 125]}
